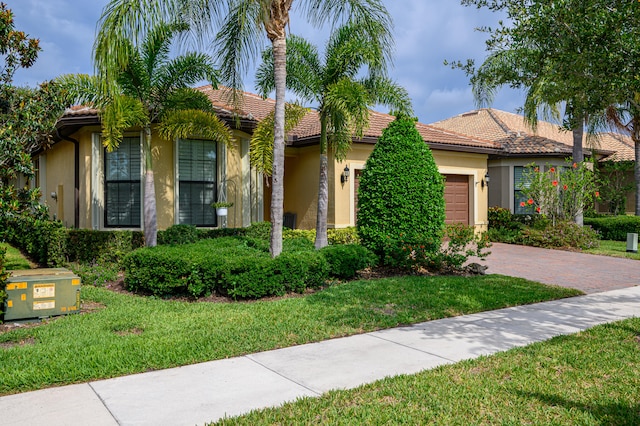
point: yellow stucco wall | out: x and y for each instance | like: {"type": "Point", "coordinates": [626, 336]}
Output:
{"type": "Point", "coordinates": [301, 182]}
{"type": "Point", "coordinates": [59, 179]}
{"type": "Point", "coordinates": [301, 176]}
{"type": "Point", "coordinates": [59, 168]}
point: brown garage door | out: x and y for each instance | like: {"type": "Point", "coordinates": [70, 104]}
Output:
{"type": "Point", "coordinates": [456, 197]}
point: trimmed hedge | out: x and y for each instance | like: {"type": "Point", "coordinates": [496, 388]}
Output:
{"type": "Point", "coordinates": [346, 260]}
{"type": "Point", "coordinates": [615, 227]}
{"type": "Point", "coordinates": [401, 195]}
{"type": "Point", "coordinates": [237, 267]}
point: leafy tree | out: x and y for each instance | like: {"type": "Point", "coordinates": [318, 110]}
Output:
{"type": "Point", "coordinates": [16, 48]}
{"type": "Point", "coordinates": [585, 53]}
{"type": "Point", "coordinates": [401, 196]}
{"type": "Point", "coordinates": [342, 96]}
{"type": "Point", "coordinates": [151, 87]}
{"type": "Point", "coordinates": [613, 184]}
{"type": "Point", "coordinates": [27, 119]}
{"type": "Point", "coordinates": [238, 25]}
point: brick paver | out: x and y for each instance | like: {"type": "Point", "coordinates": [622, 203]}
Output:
{"type": "Point", "coordinates": [587, 272]}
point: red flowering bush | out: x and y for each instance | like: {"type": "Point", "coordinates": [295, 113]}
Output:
{"type": "Point", "coordinates": [560, 193]}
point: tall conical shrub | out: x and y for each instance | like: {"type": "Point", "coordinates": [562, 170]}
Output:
{"type": "Point", "coordinates": [401, 196]}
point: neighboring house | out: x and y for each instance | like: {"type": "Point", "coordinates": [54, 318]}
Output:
{"type": "Point", "coordinates": [520, 146]}
{"type": "Point", "coordinates": [87, 187]}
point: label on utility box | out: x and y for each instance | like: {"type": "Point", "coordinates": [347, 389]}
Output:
{"type": "Point", "coordinates": [49, 304]}
{"type": "Point", "coordinates": [41, 291]}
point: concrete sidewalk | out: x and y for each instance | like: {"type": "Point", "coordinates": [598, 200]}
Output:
{"type": "Point", "coordinates": [201, 393]}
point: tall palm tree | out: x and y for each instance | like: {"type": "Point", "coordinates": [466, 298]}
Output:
{"type": "Point", "coordinates": [150, 87]}
{"type": "Point", "coordinates": [239, 41]}
{"type": "Point", "coordinates": [343, 98]}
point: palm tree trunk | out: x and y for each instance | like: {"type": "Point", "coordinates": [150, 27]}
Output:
{"type": "Point", "coordinates": [277, 195]}
{"type": "Point", "coordinates": [578, 157]}
{"type": "Point", "coordinates": [323, 188]}
{"type": "Point", "coordinates": [149, 203]}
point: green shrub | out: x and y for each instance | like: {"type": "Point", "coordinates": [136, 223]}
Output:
{"type": "Point", "coordinates": [614, 227]}
{"type": "Point", "coordinates": [345, 260]}
{"type": "Point", "coordinates": [309, 234]}
{"type": "Point", "coordinates": [220, 232]}
{"type": "Point", "coordinates": [562, 235]}
{"type": "Point", "coordinates": [343, 236]}
{"type": "Point", "coordinates": [501, 218]}
{"type": "Point", "coordinates": [178, 234]}
{"type": "Point", "coordinates": [462, 242]}
{"type": "Point", "coordinates": [301, 270]}
{"type": "Point", "coordinates": [3, 282]}
{"type": "Point", "coordinates": [43, 241]}
{"type": "Point", "coordinates": [261, 230]}
{"type": "Point", "coordinates": [297, 244]}
{"type": "Point", "coordinates": [237, 267]}
{"type": "Point", "coordinates": [401, 195]}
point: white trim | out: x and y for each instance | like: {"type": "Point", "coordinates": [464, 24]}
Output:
{"type": "Point", "coordinates": [97, 182]}
{"type": "Point", "coordinates": [142, 178]}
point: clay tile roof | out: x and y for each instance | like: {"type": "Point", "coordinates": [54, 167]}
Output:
{"type": "Point", "coordinates": [253, 106]}
{"type": "Point", "coordinates": [80, 110]}
{"type": "Point", "coordinates": [621, 145]}
{"type": "Point", "coordinates": [516, 136]}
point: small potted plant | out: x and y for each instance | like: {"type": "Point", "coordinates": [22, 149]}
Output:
{"type": "Point", "coordinates": [221, 207]}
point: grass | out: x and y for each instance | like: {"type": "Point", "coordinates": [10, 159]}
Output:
{"type": "Point", "coordinates": [613, 248]}
{"type": "Point", "coordinates": [567, 380]}
{"type": "Point", "coordinates": [15, 259]}
{"type": "Point", "coordinates": [133, 334]}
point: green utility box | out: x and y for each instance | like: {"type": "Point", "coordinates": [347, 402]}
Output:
{"type": "Point", "coordinates": [39, 293]}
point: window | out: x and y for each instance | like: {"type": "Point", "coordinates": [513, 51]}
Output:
{"type": "Point", "coordinates": [122, 185]}
{"type": "Point", "coordinates": [519, 185]}
{"type": "Point", "coordinates": [197, 172]}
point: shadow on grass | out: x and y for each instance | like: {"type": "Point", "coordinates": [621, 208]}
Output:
{"type": "Point", "coordinates": [620, 414]}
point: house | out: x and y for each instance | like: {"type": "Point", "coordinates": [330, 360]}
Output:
{"type": "Point", "coordinates": [547, 146]}
{"type": "Point", "coordinates": [87, 187]}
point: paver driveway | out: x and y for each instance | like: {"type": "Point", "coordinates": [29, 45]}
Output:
{"type": "Point", "coordinates": [587, 272]}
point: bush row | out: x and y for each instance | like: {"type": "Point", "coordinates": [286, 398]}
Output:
{"type": "Point", "coordinates": [239, 267]}
{"type": "Point", "coordinates": [614, 227]}
{"type": "Point", "coordinates": [49, 244]}
{"type": "Point", "coordinates": [538, 231]}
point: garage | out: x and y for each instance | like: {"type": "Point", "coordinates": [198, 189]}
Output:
{"type": "Point", "coordinates": [456, 197]}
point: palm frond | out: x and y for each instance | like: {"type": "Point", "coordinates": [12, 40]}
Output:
{"type": "Point", "coordinates": [261, 145]}
{"type": "Point", "coordinates": [194, 123]}
{"type": "Point", "coordinates": [186, 70]}
{"type": "Point", "coordinates": [185, 99]}
{"type": "Point", "coordinates": [370, 15]}
{"type": "Point", "coordinates": [384, 91]}
{"type": "Point", "coordinates": [122, 113]}
{"type": "Point", "coordinates": [82, 89]}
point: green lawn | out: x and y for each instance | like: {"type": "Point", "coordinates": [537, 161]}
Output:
{"type": "Point", "coordinates": [130, 334]}
{"type": "Point", "coordinates": [569, 380]}
{"type": "Point", "coordinates": [613, 248]}
{"type": "Point", "coordinates": [14, 259]}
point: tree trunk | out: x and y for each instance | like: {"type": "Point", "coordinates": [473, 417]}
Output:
{"type": "Point", "coordinates": [323, 188]}
{"type": "Point", "coordinates": [578, 157]}
{"type": "Point", "coordinates": [277, 194]}
{"type": "Point", "coordinates": [149, 203]}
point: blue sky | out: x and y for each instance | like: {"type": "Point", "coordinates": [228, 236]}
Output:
{"type": "Point", "coordinates": [426, 33]}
